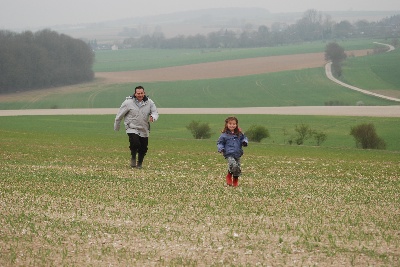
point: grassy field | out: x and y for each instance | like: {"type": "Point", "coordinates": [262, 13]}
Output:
{"type": "Point", "coordinates": [140, 59]}
{"type": "Point", "coordinates": [308, 87]}
{"type": "Point", "coordinates": [69, 198]}
{"type": "Point", "coordinates": [375, 72]}
{"type": "Point", "coordinates": [281, 127]}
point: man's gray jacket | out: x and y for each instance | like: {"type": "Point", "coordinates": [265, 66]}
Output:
{"type": "Point", "coordinates": [136, 116]}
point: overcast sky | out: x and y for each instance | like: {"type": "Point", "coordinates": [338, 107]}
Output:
{"type": "Point", "coordinates": [17, 14]}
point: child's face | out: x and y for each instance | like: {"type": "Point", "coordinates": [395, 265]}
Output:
{"type": "Point", "coordinates": [232, 125]}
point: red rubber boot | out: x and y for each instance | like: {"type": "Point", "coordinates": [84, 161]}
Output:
{"type": "Point", "coordinates": [235, 181]}
{"type": "Point", "coordinates": [229, 179]}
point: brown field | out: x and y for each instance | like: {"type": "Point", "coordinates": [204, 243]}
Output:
{"type": "Point", "coordinates": [222, 69]}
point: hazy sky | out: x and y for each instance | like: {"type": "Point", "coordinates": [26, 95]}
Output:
{"type": "Point", "coordinates": [27, 14]}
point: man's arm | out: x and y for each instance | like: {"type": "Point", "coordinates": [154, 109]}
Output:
{"type": "Point", "coordinates": [153, 112]}
{"type": "Point", "coordinates": [120, 115]}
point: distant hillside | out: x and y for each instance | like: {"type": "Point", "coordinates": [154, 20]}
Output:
{"type": "Point", "coordinates": [203, 16]}
{"type": "Point", "coordinates": [200, 22]}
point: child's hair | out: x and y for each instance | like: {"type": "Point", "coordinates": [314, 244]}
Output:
{"type": "Point", "coordinates": [237, 129]}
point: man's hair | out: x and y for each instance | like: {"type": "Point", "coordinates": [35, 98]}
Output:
{"type": "Point", "coordinates": [138, 87]}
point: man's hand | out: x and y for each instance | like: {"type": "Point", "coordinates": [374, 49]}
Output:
{"type": "Point", "coordinates": [116, 126]}
{"type": "Point", "coordinates": [151, 119]}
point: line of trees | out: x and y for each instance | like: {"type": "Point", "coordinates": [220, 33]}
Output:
{"type": "Point", "coordinates": [42, 59]}
{"type": "Point", "coordinates": [311, 27]}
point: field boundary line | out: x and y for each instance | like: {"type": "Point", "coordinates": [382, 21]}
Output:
{"type": "Point", "coordinates": [364, 111]}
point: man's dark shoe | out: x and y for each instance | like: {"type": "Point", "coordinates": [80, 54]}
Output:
{"type": "Point", "coordinates": [139, 166]}
{"type": "Point", "coordinates": [133, 163]}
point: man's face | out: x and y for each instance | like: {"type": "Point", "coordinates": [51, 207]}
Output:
{"type": "Point", "coordinates": [139, 94]}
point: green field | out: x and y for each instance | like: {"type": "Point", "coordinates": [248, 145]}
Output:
{"type": "Point", "coordinates": [281, 127]}
{"type": "Point", "coordinates": [309, 87]}
{"type": "Point", "coordinates": [69, 198]}
{"type": "Point", "coordinates": [140, 59]}
{"type": "Point", "coordinates": [374, 72]}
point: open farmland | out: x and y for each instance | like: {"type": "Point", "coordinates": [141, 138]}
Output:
{"type": "Point", "coordinates": [69, 198]}
{"type": "Point", "coordinates": [295, 80]}
{"type": "Point", "coordinates": [222, 69]}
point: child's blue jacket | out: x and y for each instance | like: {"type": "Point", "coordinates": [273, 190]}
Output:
{"type": "Point", "coordinates": [231, 144]}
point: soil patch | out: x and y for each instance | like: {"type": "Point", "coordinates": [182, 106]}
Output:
{"type": "Point", "coordinates": [210, 70]}
{"type": "Point", "coordinates": [222, 69]}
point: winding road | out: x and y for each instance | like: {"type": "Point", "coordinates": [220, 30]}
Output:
{"type": "Point", "coordinates": [328, 72]}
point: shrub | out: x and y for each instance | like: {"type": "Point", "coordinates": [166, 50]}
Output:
{"type": "Point", "coordinates": [335, 103]}
{"type": "Point", "coordinates": [366, 137]}
{"type": "Point", "coordinates": [319, 137]}
{"type": "Point", "coordinates": [360, 103]}
{"type": "Point", "coordinates": [199, 130]}
{"type": "Point", "coordinates": [256, 133]}
{"type": "Point", "coordinates": [304, 132]}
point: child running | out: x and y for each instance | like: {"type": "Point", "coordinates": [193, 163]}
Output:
{"type": "Point", "coordinates": [230, 144]}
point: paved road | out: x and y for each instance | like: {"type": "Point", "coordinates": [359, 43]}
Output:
{"type": "Point", "coordinates": [367, 111]}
